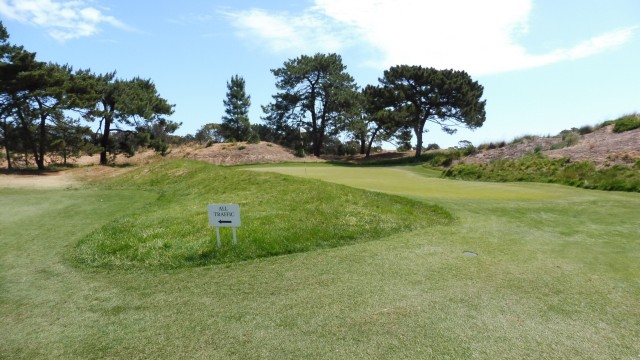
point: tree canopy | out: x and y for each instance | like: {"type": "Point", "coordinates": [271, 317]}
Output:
{"type": "Point", "coordinates": [126, 107]}
{"type": "Point", "coordinates": [235, 122]}
{"type": "Point", "coordinates": [448, 98]}
{"type": "Point", "coordinates": [316, 93]}
{"type": "Point", "coordinates": [37, 99]}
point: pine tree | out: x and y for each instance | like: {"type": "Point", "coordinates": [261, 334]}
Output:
{"type": "Point", "coordinates": [235, 124]}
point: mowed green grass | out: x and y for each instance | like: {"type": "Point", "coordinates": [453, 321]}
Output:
{"type": "Point", "coordinates": [556, 276]}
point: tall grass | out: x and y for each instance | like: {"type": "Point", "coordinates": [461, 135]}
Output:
{"type": "Point", "coordinates": [539, 168]}
{"type": "Point", "coordinates": [280, 215]}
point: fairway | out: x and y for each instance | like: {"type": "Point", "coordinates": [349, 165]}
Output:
{"type": "Point", "coordinates": [555, 276]}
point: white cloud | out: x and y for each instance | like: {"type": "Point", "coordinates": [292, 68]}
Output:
{"type": "Point", "coordinates": [282, 32]}
{"type": "Point", "coordinates": [480, 37]}
{"type": "Point", "coordinates": [64, 20]}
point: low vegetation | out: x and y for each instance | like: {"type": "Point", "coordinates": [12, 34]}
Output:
{"type": "Point", "coordinates": [538, 168]}
{"type": "Point", "coordinates": [625, 123]}
{"type": "Point", "coordinates": [280, 215]}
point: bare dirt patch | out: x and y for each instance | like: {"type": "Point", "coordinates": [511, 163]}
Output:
{"type": "Point", "coordinates": [49, 180]}
{"type": "Point", "coordinates": [244, 153]}
{"type": "Point", "coordinates": [88, 170]}
{"type": "Point", "coordinates": [604, 147]}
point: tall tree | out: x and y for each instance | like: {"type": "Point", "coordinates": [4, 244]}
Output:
{"type": "Point", "coordinates": [316, 92]}
{"type": "Point", "coordinates": [448, 98]}
{"type": "Point", "coordinates": [6, 127]}
{"type": "Point", "coordinates": [380, 123]}
{"type": "Point", "coordinates": [235, 124]}
{"type": "Point", "coordinates": [33, 97]}
{"type": "Point", "coordinates": [43, 98]}
{"type": "Point", "coordinates": [123, 106]}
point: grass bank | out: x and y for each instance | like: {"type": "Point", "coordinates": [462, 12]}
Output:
{"type": "Point", "coordinates": [280, 215]}
{"type": "Point", "coordinates": [539, 168]}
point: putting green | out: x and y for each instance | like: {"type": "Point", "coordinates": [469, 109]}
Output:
{"type": "Point", "coordinates": [404, 180]}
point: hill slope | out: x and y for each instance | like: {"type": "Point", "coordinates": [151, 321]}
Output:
{"type": "Point", "coordinates": [603, 147]}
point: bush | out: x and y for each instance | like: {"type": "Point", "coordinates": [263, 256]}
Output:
{"type": "Point", "coordinates": [569, 138]}
{"type": "Point", "coordinates": [624, 123]}
{"type": "Point", "coordinates": [627, 123]}
{"type": "Point", "coordinates": [253, 138]}
{"type": "Point", "coordinates": [523, 138]}
{"type": "Point", "coordinates": [433, 147]}
{"type": "Point", "coordinates": [587, 129]}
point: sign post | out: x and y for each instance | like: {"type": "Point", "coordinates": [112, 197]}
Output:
{"type": "Point", "coordinates": [224, 215]}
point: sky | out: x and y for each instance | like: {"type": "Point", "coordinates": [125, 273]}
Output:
{"type": "Point", "coordinates": [545, 65]}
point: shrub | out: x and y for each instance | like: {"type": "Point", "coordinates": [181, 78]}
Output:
{"type": "Point", "coordinates": [522, 139]}
{"type": "Point", "coordinates": [627, 123]}
{"type": "Point", "coordinates": [587, 129]}
{"type": "Point", "coordinates": [433, 147]}
{"type": "Point", "coordinates": [569, 138]}
{"type": "Point", "coordinates": [624, 123]}
{"type": "Point", "coordinates": [572, 138]}
{"type": "Point", "coordinates": [254, 138]}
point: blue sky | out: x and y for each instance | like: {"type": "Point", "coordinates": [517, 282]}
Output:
{"type": "Point", "coordinates": [546, 65]}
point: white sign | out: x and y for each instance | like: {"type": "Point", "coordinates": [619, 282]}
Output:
{"type": "Point", "coordinates": [224, 215]}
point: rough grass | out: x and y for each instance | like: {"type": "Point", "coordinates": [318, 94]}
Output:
{"type": "Point", "coordinates": [280, 215]}
{"type": "Point", "coordinates": [539, 168]}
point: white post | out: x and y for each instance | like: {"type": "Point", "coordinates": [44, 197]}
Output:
{"type": "Point", "coordinates": [218, 235]}
{"type": "Point", "coordinates": [235, 239]}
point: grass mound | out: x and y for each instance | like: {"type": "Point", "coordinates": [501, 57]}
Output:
{"type": "Point", "coordinates": [280, 215]}
{"type": "Point", "coordinates": [539, 168]}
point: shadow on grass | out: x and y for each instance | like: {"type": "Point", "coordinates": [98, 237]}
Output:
{"type": "Point", "coordinates": [30, 172]}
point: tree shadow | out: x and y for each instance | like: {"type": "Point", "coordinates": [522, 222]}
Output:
{"type": "Point", "coordinates": [29, 172]}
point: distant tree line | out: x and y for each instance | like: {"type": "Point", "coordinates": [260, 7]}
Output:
{"type": "Point", "coordinates": [43, 107]}
{"type": "Point", "coordinates": [318, 103]}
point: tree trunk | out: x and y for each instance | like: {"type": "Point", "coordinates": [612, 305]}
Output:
{"type": "Point", "coordinates": [419, 133]}
{"type": "Point", "coordinates": [27, 136]}
{"type": "Point", "coordinates": [42, 135]}
{"type": "Point", "coordinates": [8, 152]}
{"type": "Point", "coordinates": [7, 137]}
{"type": "Point", "coordinates": [104, 142]}
{"type": "Point", "coordinates": [64, 154]}
{"type": "Point", "coordinates": [363, 144]}
{"type": "Point", "coordinates": [373, 137]}
{"type": "Point", "coordinates": [317, 143]}
{"type": "Point", "coordinates": [317, 147]}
